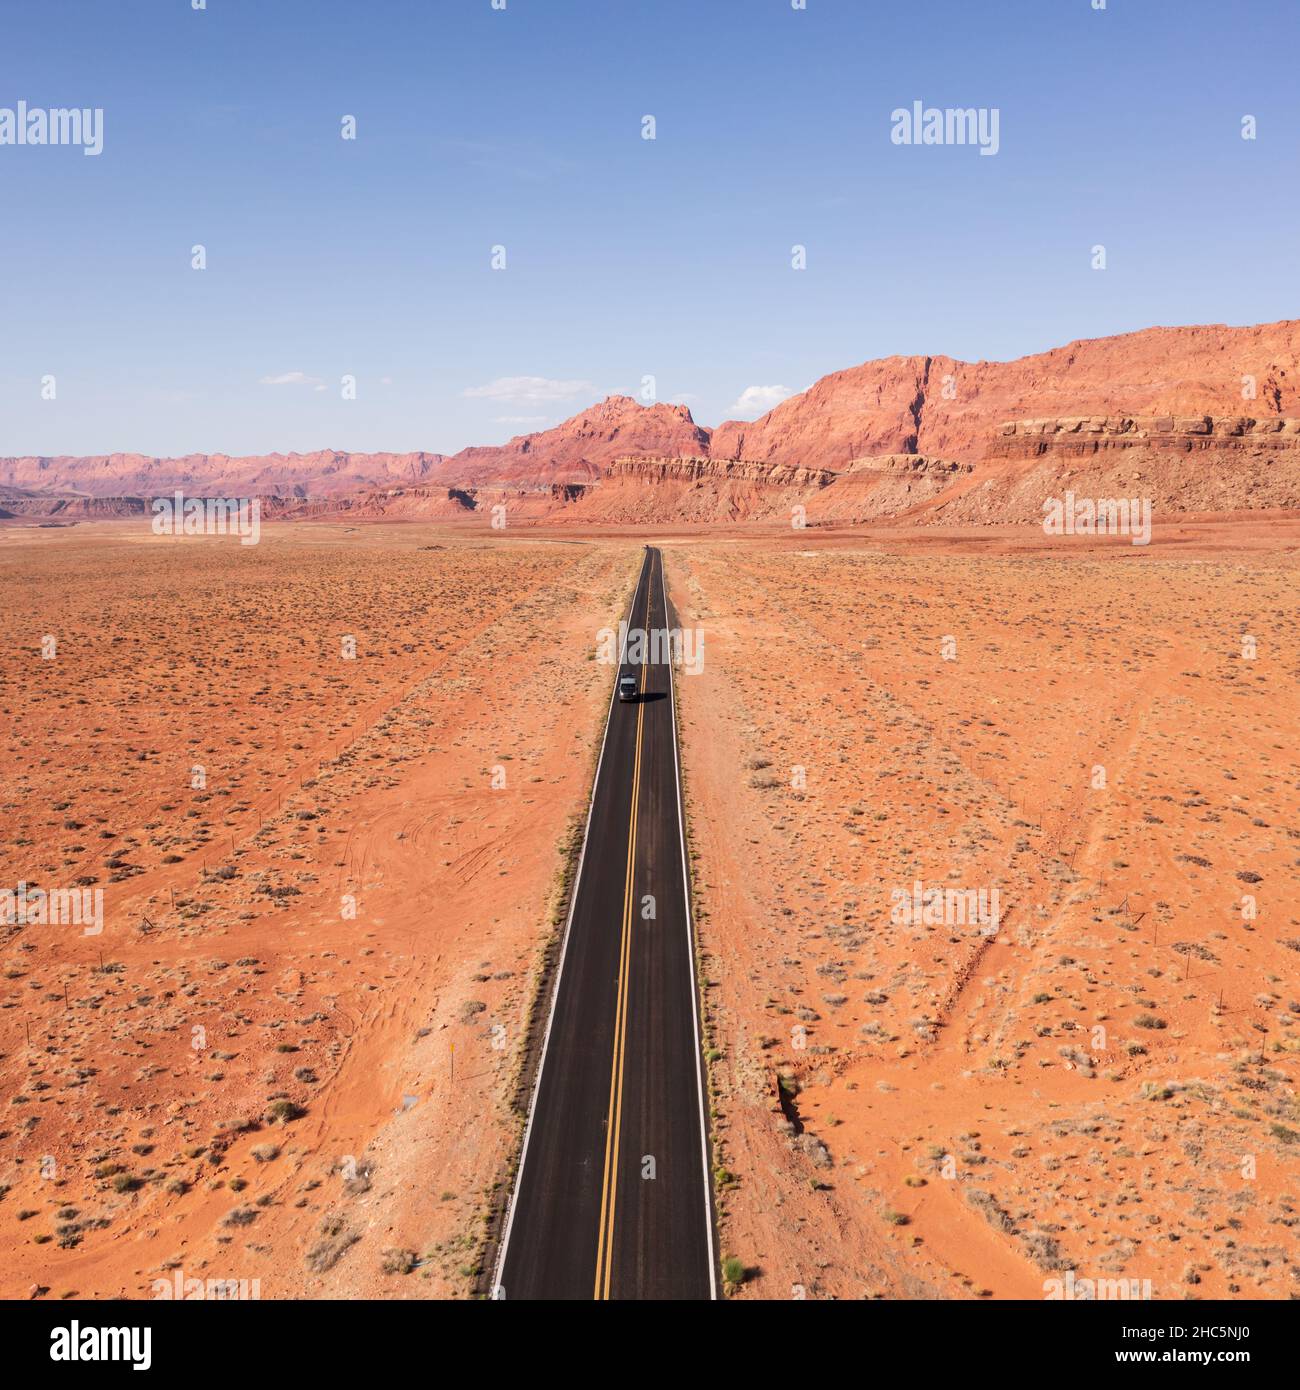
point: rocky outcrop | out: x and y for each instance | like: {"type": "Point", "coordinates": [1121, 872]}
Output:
{"type": "Point", "coordinates": [952, 409]}
{"type": "Point", "coordinates": [65, 507]}
{"type": "Point", "coordinates": [711, 470]}
{"type": "Point", "coordinates": [661, 491]}
{"type": "Point", "coordinates": [884, 487]}
{"type": "Point", "coordinates": [907, 465]}
{"type": "Point", "coordinates": [449, 503]}
{"type": "Point", "coordinates": [1192, 464]}
{"type": "Point", "coordinates": [568, 492]}
{"type": "Point", "coordinates": [1080, 436]}
{"type": "Point", "coordinates": [581, 448]}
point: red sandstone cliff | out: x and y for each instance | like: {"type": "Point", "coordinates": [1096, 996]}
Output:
{"type": "Point", "coordinates": [934, 407]}
{"type": "Point", "coordinates": [951, 409]}
{"type": "Point", "coordinates": [581, 447]}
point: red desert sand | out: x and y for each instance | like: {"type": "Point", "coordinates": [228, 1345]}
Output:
{"type": "Point", "coordinates": [331, 882]}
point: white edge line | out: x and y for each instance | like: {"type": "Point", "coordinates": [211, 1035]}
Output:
{"type": "Point", "coordinates": [690, 949]}
{"type": "Point", "coordinates": [564, 947]}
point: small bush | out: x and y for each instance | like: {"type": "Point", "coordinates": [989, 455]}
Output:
{"type": "Point", "coordinates": [398, 1261]}
{"type": "Point", "coordinates": [336, 1237]}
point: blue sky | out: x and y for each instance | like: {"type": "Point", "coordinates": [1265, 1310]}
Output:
{"type": "Point", "coordinates": [626, 257]}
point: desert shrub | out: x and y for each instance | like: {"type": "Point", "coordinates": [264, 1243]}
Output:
{"type": "Point", "coordinates": [1044, 1250]}
{"type": "Point", "coordinates": [398, 1261]}
{"type": "Point", "coordinates": [335, 1239]}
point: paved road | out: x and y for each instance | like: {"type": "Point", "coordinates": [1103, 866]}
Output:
{"type": "Point", "coordinates": [612, 1198]}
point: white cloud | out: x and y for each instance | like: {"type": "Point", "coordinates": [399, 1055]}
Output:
{"type": "Point", "coordinates": [293, 379]}
{"type": "Point", "coordinates": [530, 390]}
{"type": "Point", "coordinates": [757, 400]}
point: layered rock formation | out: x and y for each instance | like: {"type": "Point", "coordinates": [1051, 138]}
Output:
{"type": "Point", "coordinates": [1180, 464]}
{"type": "Point", "coordinates": [67, 507]}
{"type": "Point", "coordinates": [1204, 411]}
{"type": "Point", "coordinates": [660, 491]}
{"type": "Point", "coordinates": [647, 490]}
{"type": "Point", "coordinates": [952, 409]}
{"type": "Point", "coordinates": [885, 486]}
{"type": "Point", "coordinates": [216, 475]}
{"type": "Point", "coordinates": [698, 469]}
{"type": "Point", "coordinates": [1081, 436]}
{"type": "Point", "coordinates": [581, 447]}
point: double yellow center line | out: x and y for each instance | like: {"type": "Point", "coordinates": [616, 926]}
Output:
{"type": "Point", "coordinates": [613, 1124]}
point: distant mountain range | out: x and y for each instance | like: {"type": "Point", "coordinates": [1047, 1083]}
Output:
{"type": "Point", "coordinates": [263, 475]}
{"type": "Point", "coordinates": [909, 423]}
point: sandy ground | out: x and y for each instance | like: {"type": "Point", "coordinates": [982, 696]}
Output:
{"type": "Point", "coordinates": [289, 1056]}
{"type": "Point", "coordinates": [1107, 1083]}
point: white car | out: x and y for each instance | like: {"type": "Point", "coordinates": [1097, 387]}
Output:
{"type": "Point", "coordinates": [627, 688]}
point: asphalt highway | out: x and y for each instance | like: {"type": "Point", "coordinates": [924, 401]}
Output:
{"type": "Point", "coordinates": [612, 1198]}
